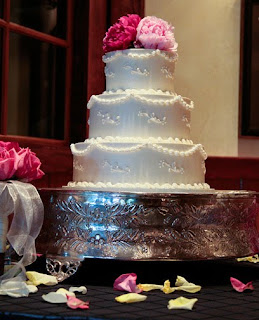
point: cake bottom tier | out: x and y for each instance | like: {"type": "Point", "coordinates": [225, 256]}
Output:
{"type": "Point", "coordinates": [134, 167]}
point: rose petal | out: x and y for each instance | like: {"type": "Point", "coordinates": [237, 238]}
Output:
{"type": "Point", "coordinates": [191, 288]}
{"type": "Point", "coordinates": [65, 292]}
{"type": "Point", "coordinates": [75, 303]}
{"type": "Point", "coordinates": [14, 289]}
{"type": "Point", "coordinates": [253, 259]}
{"type": "Point", "coordinates": [149, 287]}
{"type": "Point", "coordinates": [240, 286]}
{"type": "Point", "coordinates": [184, 285]}
{"type": "Point", "coordinates": [32, 288]}
{"type": "Point", "coordinates": [180, 281]}
{"type": "Point", "coordinates": [54, 297]}
{"type": "Point", "coordinates": [81, 289]}
{"type": "Point", "coordinates": [37, 278]}
{"type": "Point", "coordinates": [181, 303]}
{"type": "Point", "coordinates": [166, 288]}
{"type": "Point", "coordinates": [126, 282]}
{"type": "Point", "coordinates": [130, 298]}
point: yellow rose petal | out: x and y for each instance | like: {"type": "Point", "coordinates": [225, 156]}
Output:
{"type": "Point", "coordinates": [191, 288]}
{"type": "Point", "coordinates": [149, 287]}
{"type": "Point", "coordinates": [183, 284]}
{"type": "Point", "coordinates": [180, 281]}
{"type": "Point", "coordinates": [32, 288]}
{"type": "Point", "coordinates": [37, 278]}
{"type": "Point", "coordinates": [166, 288]}
{"type": "Point", "coordinates": [181, 303]}
{"type": "Point", "coordinates": [65, 292]}
{"type": "Point", "coordinates": [253, 259]}
{"type": "Point", "coordinates": [130, 298]}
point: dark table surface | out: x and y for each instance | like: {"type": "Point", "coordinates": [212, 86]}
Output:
{"type": "Point", "coordinates": [216, 300]}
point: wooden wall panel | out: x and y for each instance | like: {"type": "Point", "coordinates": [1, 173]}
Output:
{"type": "Point", "coordinates": [233, 173]}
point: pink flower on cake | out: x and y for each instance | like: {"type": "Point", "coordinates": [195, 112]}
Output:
{"type": "Point", "coordinates": [155, 33]}
{"type": "Point", "coordinates": [122, 34]}
{"type": "Point", "coordinates": [18, 163]}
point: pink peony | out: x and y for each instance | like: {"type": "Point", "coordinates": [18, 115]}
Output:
{"type": "Point", "coordinates": [122, 34]}
{"type": "Point", "coordinates": [18, 163]}
{"type": "Point", "coordinates": [155, 33]}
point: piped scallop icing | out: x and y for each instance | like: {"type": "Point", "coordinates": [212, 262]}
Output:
{"type": "Point", "coordinates": [140, 69]}
{"type": "Point", "coordinates": [133, 114]}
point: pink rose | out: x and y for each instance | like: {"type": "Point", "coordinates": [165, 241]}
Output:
{"type": "Point", "coordinates": [10, 145]}
{"type": "Point", "coordinates": [18, 163]}
{"type": "Point", "coordinates": [8, 162]}
{"type": "Point", "coordinates": [28, 168]}
{"type": "Point", "coordinates": [155, 33]}
{"type": "Point", "coordinates": [122, 34]}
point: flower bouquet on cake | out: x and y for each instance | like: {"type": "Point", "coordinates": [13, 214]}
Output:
{"type": "Point", "coordinates": [19, 198]}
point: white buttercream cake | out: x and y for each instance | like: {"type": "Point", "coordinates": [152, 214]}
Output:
{"type": "Point", "coordinates": [139, 130]}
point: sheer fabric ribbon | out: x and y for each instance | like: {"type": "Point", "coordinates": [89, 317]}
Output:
{"type": "Point", "coordinates": [21, 199]}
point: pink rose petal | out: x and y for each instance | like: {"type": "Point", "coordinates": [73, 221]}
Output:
{"type": "Point", "coordinates": [240, 286]}
{"type": "Point", "coordinates": [127, 282]}
{"type": "Point", "coordinates": [75, 303]}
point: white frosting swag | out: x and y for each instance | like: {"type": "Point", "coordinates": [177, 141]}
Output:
{"type": "Point", "coordinates": [21, 199]}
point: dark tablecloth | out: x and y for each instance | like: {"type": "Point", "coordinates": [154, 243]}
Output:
{"type": "Point", "coordinates": [216, 300]}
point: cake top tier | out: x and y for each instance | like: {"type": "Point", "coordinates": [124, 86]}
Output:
{"type": "Point", "coordinates": [140, 69]}
{"type": "Point", "coordinates": [140, 54]}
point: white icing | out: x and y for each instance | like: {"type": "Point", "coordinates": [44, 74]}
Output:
{"type": "Point", "coordinates": [144, 187]}
{"type": "Point", "coordinates": [136, 70]}
{"type": "Point", "coordinates": [107, 118]}
{"type": "Point", "coordinates": [152, 118]}
{"type": "Point", "coordinates": [139, 137]}
{"type": "Point", "coordinates": [133, 110]}
{"type": "Point", "coordinates": [83, 148]}
{"type": "Point", "coordinates": [140, 69]}
{"type": "Point", "coordinates": [140, 54]}
{"type": "Point", "coordinates": [138, 140]}
{"type": "Point", "coordinates": [148, 100]}
{"type": "Point", "coordinates": [171, 167]}
{"type": "Point", "coordinates": [115, 167]}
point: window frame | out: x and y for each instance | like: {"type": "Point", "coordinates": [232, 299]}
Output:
{"type": "Point", "coordinates": [7, 27]}
{"type": "Point", "coordinates": [84, 77]}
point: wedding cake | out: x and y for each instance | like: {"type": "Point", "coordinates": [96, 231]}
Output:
{"type": "Point", "coordinates": [139, 128]}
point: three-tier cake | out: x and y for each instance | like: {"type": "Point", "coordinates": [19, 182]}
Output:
{"type": "Point", "coordinates": [139, 128]}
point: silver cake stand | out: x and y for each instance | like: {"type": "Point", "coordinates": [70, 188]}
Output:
{"type": "Point", "coordinates": [82, 224]}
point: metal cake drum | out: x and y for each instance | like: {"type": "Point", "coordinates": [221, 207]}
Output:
{"type": "Point", "coordinates": [82, 224]}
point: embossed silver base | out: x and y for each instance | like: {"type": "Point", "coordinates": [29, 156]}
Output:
{"type": "Point", "coordinates": [184, 226]}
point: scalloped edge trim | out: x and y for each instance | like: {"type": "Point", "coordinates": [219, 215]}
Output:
{"type": "Point", "coordinates": [138, 147]}
{"type": "Point", "coordinates": [140, 186]}
{"type": "Point", "coordinates": [137, 97]}
{"type": "Point", "coordinates": [139, 140]}
{"type": "Point", "coordinates": [140, 54]}
{"type": "Point", "coordinates": [140, 91]}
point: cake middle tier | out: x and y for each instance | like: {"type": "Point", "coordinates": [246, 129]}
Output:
{"type": "Point", "coordinates": [145, 162]}
{"type": "Point", "coordinates": [139, 113]}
